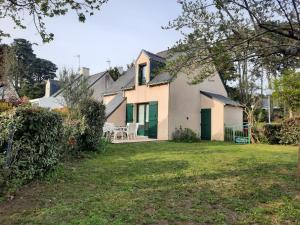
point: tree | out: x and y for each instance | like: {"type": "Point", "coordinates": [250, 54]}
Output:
{"type": "Point", "coordinates": [16, 10]}
{"type": "Point", "coordinates": [287, 90]}
{"type": "Point", "coordinates": [114, 73]}
{"type": "Point", "coordinates": [267, 33]}
{"type": "Point", "coordinates": [75, 89]}
{"type": "Point", "coordinates": [26, 72]}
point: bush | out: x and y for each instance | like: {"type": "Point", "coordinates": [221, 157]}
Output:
{"type": "Point", "coordinates": [184, 135]}
{"type": "Point", "coordinates": [290, 132]}
{"type": "Point", "coordinates": [92, 114]}
{"type": "Point", "coordinates": [84, 134]}
{"type": "Point", "coordinates": [35, 144]}
{"type": "Point", "coordinates": [5, 106]}
{"type": "Point", "coordinates": [272, 133]}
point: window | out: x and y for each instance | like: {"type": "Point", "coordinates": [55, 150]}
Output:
{"type": "Point", "coordinates": [142, 74]}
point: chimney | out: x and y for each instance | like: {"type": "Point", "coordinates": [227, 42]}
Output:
{"type": "Point", "coordinates": [84, 71]}
{"type": "Point", "coordinates": [48, 88]}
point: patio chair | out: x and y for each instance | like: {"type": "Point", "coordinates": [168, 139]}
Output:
{"type": "Point", "coordinates": [110, 130]}
{"type": "Point", "coordinates": [131, 130]}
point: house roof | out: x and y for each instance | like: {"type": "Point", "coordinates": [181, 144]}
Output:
{"type": "Point", "coordinates": [114, 104]}
{"type": "Point", "coordinates": [161, 78]}
{"type": "Point", "coordinates": [155, 56]}
{"type": "Point", "coordinates": [126, 81]}
{"type": "Point", "coordinates": [221, 98]}
{"type": "Point", "coordinates": [91, 81]}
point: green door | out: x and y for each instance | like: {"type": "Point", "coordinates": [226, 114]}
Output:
{"type": "Point", "coordinates": [129, 113]}
{"type": "Point", "coordinates": [153, 114]}
{"type": "Point", "coordinates": [143, 119]}
{"type": "Point", "coordinates": [205, 124]}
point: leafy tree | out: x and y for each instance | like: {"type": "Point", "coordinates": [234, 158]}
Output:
{"type": "Point", "coordinates": [27, 73]}
{"type": "Point", "coordinates": [266, 33]}
{"type": "Point", "coordinates": [39, 11]}
{"type": "Point", "coordinates": [287, 90]}
{"type": "Point", "coordinates": [114, 73]}
{"type": "Point", "coordinates": [75, 89]}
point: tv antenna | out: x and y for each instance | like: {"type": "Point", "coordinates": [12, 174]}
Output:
{"type": "Point", "coordinates": [108, 62]}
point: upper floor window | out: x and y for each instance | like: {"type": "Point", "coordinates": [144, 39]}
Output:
{"type": "Point", "coordinates": [142, 74]}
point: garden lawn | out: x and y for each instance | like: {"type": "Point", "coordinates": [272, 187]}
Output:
{"type": "Point", "coordinates": [166, 183]}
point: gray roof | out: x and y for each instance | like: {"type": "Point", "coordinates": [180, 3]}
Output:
{"type": "Point", "coordinates": [155, 56]}
{"type": "Point", "coordinates": [91, 81]}
{"type": "Point", "coordinates": [161, 78]}
{"type": "Point", "coordinates": [54, 86]}
{"type": "Point", "coordinates": [126, 81]}
{"type": "Point", "coordinates": [221, 98]}
{"type": "Point", "coordinates": [7, 91]}
{"type": "Point", "coordinates": [114, 104]}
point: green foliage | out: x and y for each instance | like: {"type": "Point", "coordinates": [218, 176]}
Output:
{"type": "Point", "coordinates": [290, 132]}
{"type": "Point", "coordinates": [35, 135]}
{"type": "Point", "coordinates": [272, 133]}
{"type": "Point", "coordinates": [37, 90]}
{"type": "Point", "coordinates": [75, 89]}
{"type": "Point", "coordinates": [93, 116]}
{"type": "Point", "coordinates": [27, 72]}
{"type": "Point", "coordinates": [287, 89]}
{"type": "Point", "coordinates": [85, 134]}
{"type": "Point", "coordinates": [39, 11]}
{"type": "Point", "coordinates": [5, 106]}
{"type": "Point", "coordinates": [261, 115]}
{"type": "Point", "coordinates": [184, 135]}
{"type": "Point", "coordinates": [114, 73]}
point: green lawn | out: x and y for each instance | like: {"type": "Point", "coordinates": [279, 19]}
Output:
{"type": "Point", "coordinates": [166, 183]}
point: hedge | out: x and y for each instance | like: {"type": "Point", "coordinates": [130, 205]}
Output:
{"type": "Point", "coordinates": [84, 134]}
{"type": "Point", "coordinates": [290, 132]}
{"type": "Point", "coordinates": [35, 137]}
{"type": "Point", "coordinates": [272, 133]}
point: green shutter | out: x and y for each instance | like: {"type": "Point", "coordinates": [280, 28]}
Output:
{"type": "Point", "coordinates": [153, 114]}
{"type": "Point", "coordinates": [129, 113]}
{"type": "Point", "coordinates": [205, 124]}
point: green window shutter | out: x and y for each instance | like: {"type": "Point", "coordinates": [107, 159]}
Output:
{"type": "Point", "coordinates": [153, 115]}
{"type": "Point", "coordinates": [129, 113]}
{"type": "Point", "coordinates": [205, 124]}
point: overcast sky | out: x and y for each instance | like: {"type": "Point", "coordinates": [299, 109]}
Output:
{"type": "Point", "coordinates": [118, 32]}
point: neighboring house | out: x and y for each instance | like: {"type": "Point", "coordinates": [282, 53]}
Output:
{"type": "Point", "coordinates": [7, 91]}
{"type": "Point", "coordinates": [53, 98]}
{"type": "Point", "coordinates": [161, 103]}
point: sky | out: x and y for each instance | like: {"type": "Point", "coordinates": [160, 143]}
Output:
{"type": "Point", "coordinates": [116, 33]}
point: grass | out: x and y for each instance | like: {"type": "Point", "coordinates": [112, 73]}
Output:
{"type": "Point", "coordinates": [166, 183]}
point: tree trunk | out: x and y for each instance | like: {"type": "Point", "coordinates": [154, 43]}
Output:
{"type": "Point", "coordinates": [291, 113]}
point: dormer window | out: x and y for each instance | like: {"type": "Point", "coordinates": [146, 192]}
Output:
{"type": "Point", "coordinates": [142, 74]}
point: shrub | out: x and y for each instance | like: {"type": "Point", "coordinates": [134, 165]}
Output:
{"type": "Point", "coordinates": [92, 114]}
{"type": "Point", "coordinates": [272, 133]}
{"type": "Point", "coordinates": [5, 106]}
{"type": "Point", "coordinates": [290, 132]}
{"type": "Point", "coordinates": [35, 144]}
{"type": "Point", "coordinates": [84, 134]}
{"type": "Point", "coordinates": [184, 135]}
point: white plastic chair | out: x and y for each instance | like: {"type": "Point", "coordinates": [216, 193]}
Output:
{"type": "Point", "coordinates": [131, 130]}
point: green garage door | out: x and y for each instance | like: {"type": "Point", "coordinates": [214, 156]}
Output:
{"type": "Point", "coordinates": [205, 124]}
